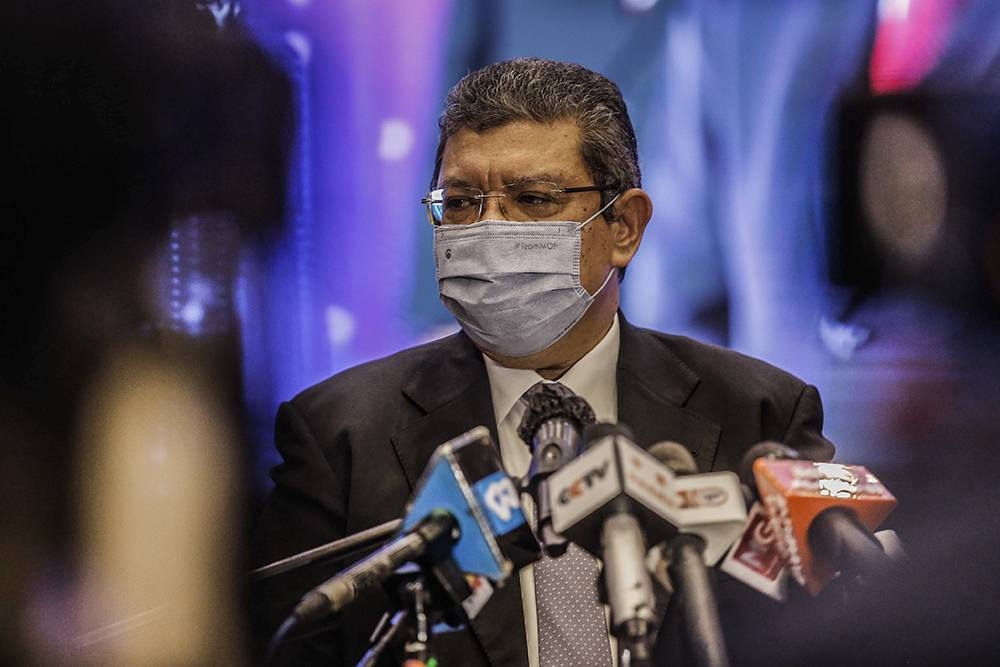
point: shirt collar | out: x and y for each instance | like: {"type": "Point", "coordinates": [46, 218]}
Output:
{"type": "Point", "coordinates": [592, 377]}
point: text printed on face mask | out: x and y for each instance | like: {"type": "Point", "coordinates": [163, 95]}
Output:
{"type": "Point", "coordinates": [534, 246]}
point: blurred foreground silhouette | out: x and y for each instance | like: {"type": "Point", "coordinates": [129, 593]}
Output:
{"type": "Point", "coordinates": [142, 138]}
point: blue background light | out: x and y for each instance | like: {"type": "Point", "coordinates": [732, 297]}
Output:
{"type": "Point", "coordinates": [735, 106]}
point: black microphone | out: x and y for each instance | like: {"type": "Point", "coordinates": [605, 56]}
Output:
{"type": "Point", "coordinates": [342, 548]}
{"type": "Point", "coordinates": [552, 426]}
{"type": "Point", "coordinates": [685, 554]}
{"type": "Point", "coordinates": [767, 450]}
{"type": "Point", "coordinates": [466, 510]}
{"type": "Point", "coordinates": [823, 514]}
{"type": "Point", "coordinates": [433, 536]}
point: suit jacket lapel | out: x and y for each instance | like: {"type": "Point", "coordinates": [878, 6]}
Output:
{"type": "Point", "coordinates": [452, 394]}
{"type": "Point", "coordinates": [452, 391]}
{"type": "Point", "coordinates": [653, 387]}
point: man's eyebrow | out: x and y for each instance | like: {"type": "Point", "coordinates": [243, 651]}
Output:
{"type": "Point", "coordinates": [518, 179]}
{"type": "Point", "coordinates": [532, 178]}
{"type": "Point", "coordinates": [458, 182]}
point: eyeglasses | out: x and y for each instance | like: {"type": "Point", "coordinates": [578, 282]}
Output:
{"type": "Point", "coordinates": [519, 202]}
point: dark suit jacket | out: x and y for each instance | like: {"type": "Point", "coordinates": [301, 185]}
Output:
{"type": "Point", "coordinates": [355, 445]}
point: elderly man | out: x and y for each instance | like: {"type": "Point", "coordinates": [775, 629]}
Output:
{"type": "Point", "coordinates": [538, 210]}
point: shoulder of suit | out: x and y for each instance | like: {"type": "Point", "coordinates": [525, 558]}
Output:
{"type": "Point", "coordinates": [378, 379]}
{"type": "Point", "coordinates": [714, 363]}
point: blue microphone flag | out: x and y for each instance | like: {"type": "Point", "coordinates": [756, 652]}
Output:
{"type": "Point", "coordinates": [465, 478]}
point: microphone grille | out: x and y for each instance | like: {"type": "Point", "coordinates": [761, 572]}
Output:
{"type": "Point", "coordinates": [550, 399]}
{"type": "Point", "coordinates": [675, 456]}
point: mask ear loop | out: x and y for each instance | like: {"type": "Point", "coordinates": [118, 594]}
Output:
{"type": "Point", "coordinates": [599, 211]}
{"type": "Point", "coordinates": [604, 284]}
{"type": "Point", "coordinates": [586, 222]}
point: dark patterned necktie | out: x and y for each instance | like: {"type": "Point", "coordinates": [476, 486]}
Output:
{"type": "Point", "coordinates": [571, 626]}
{"type": "Point", "coordinates": [571, 622]}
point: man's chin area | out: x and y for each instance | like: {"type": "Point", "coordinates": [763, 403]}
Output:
{"type": "Point", "coordinates": [552, 362]}
{"type": "Point", "coordinates": [548, 363]}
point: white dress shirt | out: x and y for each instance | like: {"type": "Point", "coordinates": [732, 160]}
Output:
{"type": "Point", "coordinates": [593, 378]}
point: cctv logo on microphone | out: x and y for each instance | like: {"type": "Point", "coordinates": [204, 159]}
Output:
{"type": "Point", "coordinates": [581, 485]}
{"type": "Point", "coordinates": [499, 498]}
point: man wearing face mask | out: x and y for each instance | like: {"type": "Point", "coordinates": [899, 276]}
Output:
{"type": "Point", "coordinates": [537, 210]}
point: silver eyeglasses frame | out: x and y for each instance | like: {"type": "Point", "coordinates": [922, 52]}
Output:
{"type": "Point", "coordinates": [434, 200]}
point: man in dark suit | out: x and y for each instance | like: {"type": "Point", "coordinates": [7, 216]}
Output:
{"type": "Point", "coordinates": [538, 210]}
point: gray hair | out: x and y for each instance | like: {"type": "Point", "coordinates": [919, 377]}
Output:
{"type": "Point", "coordinates": [545, 91]}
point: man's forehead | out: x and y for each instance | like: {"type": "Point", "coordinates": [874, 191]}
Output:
{"type": "Point", "coordinates": [512, 153]}
{"type": "Point", "coordinates": [510, 177]}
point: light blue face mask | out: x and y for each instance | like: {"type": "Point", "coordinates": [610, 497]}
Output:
{"type": "Point", "coordinates": [514, 287]}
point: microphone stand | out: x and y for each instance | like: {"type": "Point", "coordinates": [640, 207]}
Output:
{"type": "Point", "coordinates": [419, 603]}
{"type": "Point", "coordinates": [696, 601]}
{"type": "Point", "coordinates": [409, 624]}
{"type": "Point", "coordinates": [386, 633]}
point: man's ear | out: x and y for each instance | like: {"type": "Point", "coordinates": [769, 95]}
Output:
{"type": "Point", "coordinates": [632, 211]}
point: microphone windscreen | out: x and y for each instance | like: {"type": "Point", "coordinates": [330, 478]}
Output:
{"type": "Point", "coordinates": [767, 449]}
{"type": "Point", "coordinates": [548, 400]}
{"type": "Point", "coordinates": [675, 456]}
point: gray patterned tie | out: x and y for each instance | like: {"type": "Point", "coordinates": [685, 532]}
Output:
{"type": "Point", "coordinates": [571, 626]}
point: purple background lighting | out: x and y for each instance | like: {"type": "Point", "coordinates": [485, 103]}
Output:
{"type": "Point", "coordinates": [736, 107]}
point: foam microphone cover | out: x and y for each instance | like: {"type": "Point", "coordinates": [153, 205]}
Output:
{"type": "Point", "coordinates": [550, 400]}
{"type": "Point", "coordinates": [768, 449]}
{"type": "Point", "coordinates": [675, 456]}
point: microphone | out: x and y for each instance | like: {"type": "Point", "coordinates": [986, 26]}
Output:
{"type": "Point", "coordinates": [767, 450]}
{"type": "Point", "coordinates": [343, 548]}
{"type": "Point", "coordinates": [756, 559]}
{"type": "Point", "coordinates": [552, 425]}
{"type": "Point", "coordinates": [690, 552]}
{"type": "Point", "coordinates": [465, 511]}
{"type": "Point", "coordinates": [822, 514]}
{"type": "Point", "coordinates": [606, 501]}
{"type": "Point", "coordinates": [675, 456]}
{"type": "Point", "coordinates": [434, 534]}
{"type": "Point", "coordinates": [709, 505]}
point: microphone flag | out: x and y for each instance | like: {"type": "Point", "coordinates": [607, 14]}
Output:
{"type": "Point", "coordinates": [612, 469]}
{"type": "Point", "coordinates": [465, 478]}
{"type": "Point", "coordinates": [795, 492]}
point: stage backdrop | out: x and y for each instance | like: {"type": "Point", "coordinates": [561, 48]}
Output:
{"type": "Point", "coordinates": [752, 120]}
